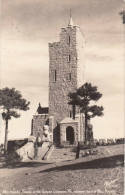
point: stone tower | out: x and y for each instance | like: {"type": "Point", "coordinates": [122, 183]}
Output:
{"type": "Point", "coordinates": [66, 67]}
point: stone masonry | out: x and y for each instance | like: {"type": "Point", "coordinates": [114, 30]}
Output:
{"type": "Point", "coordinates": [66, 68]}
{"type": "Point", "coordinates": [66, 61]}
{"type": "Point", "coordinates": [40, 119]}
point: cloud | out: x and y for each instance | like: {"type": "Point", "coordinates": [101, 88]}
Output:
{"type": "Point", "coordinates": [41, 19]}
{"type": "Point", "coordinates": [98, 58]}
{"type": "Point", "coordinates": [108, 86]}
{"type": "Point", "coordinates": [28, 26]}
{"type": "Point", "coordinates": [112, 123]}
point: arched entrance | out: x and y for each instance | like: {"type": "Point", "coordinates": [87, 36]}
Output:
{"type": "Point", "coordinates": [70, 135]}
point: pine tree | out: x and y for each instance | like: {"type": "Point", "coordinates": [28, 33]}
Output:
{"type": "Point", "coordinates": [82, 98]}
{"type": "Point", "coordinates": [11, 100]}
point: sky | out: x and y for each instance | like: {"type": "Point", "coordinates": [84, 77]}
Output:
{"type": "Point", "coordinates": [28, 27]}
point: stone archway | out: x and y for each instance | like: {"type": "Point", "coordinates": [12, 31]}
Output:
{"type": "Point", "coordinates": [70, 135]}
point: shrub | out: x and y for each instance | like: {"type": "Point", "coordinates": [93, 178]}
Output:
{"type": "Point", "coordinates": [12, 157]}
{"type": "Point", "coordinates": [110, 142]}
{"type": "Point", "coordinates": [102, 142]}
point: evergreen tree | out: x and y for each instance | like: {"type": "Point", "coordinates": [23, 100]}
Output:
{"type": "Point", "coordinates": [83, 97]}
{"type": "Point", "coordinates": [11, 100]}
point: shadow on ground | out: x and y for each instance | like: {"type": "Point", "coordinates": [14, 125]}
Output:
{"type": "Point", "coordinates": [107, 162]}
{"type": "Point", "coordinates": [23, 164]}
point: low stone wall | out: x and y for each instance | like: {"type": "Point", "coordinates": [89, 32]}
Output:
{"type": "Point", "coordinates": [16, 144]}
{"type": "Point", "coordinates": [26, 152]}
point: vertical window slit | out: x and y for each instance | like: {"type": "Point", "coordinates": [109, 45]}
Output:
{"type": "Point", "coordinates": [69, 58]}
{"type": "Point", "coordinates": [69, 40]}
{"type": "Point", "coordinates": [55, 75]}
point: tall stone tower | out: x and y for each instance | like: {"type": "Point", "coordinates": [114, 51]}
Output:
{"type": "Point", "coordinates": [66, 68]}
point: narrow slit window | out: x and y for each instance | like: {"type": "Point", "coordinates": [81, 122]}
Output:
{"type": "Point", "coordinates": [69, 58]}
{"type": "Point", "coordinates": [69, 40]}
{"type": "Point", "coordinates": [69, 76]}
{"type": "Point", "coordinates": [55, 75]}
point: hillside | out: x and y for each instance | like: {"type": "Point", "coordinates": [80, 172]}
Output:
{"type": "Point", "coordinates": [96, 174]}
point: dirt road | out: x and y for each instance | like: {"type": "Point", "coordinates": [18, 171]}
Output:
{"type": "Point", "coordinates": [100, 174]}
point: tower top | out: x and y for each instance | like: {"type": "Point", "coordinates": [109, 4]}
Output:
{"type": "Point", "coordinates": [70, 19]}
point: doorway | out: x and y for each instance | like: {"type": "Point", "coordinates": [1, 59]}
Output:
{"type": "Point", "coordinates": [70, 135]}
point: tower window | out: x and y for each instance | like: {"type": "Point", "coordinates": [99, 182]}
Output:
{"type": "Point", "coordinates": [54, 75]}
{"type": "Point", "coordinates": [69, 58]}
{"type": "Point", "coordinates": [69, 76]}
{"type": "Point", "coordinates": [69, 40]}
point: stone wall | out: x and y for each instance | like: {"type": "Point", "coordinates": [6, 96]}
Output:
{"type": "Point", "coordinates": [38, 122]}
{"type": "Point", "coordinates": [80, 48]}
{"type": "Point", "coordinates": [65, 71]}
{"type": "Point", "coordinates": [78, 126]}
{"type": "Point", "coordinates": [66, 67]}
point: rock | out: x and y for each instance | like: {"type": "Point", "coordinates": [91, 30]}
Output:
{"type": "Point", "coordinates": [26, 152]}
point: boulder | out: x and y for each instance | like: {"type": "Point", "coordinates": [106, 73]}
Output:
{"type": "Point", "coordinates": [26, 152]}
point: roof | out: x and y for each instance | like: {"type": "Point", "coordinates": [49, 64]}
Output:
{"type": "Point", "coordinates": [68, 120]}
{"type": "Point", "coordinates": [42, 110]}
